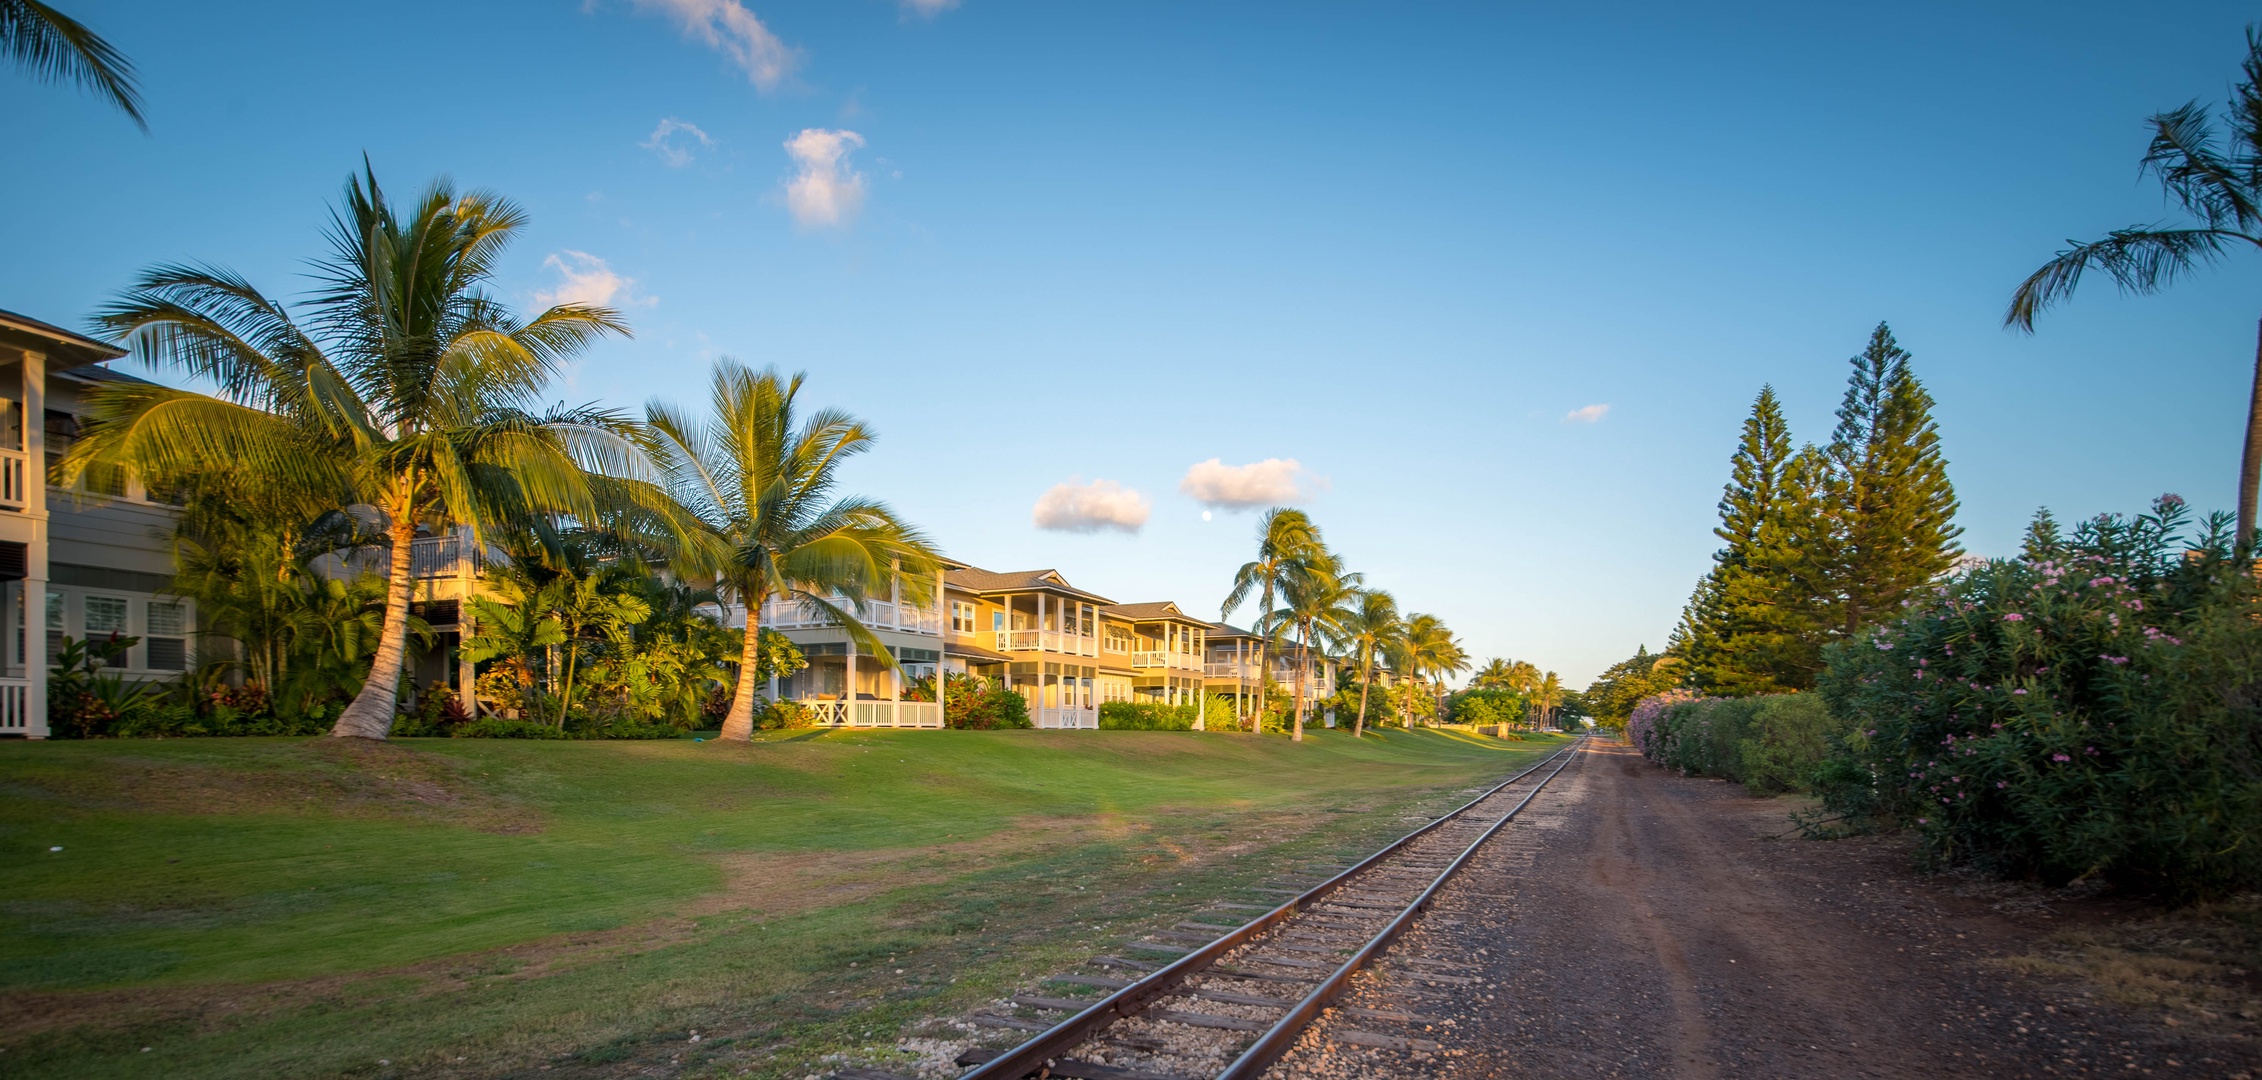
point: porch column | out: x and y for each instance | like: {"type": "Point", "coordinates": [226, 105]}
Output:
{"type": "Point", "coordinates": [895, 689]}
{"type": "Point", "coordinates": [848, 692]}
{"type": "Point", "coordinates": [35, 556]}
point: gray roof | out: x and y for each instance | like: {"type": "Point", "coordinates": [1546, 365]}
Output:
{"type": "Point", "coordinates": [1156, 611]}
{"type": "Point", "coordinates": [60, 344]}
{"type": "Point", "coordinates": [976, 580]}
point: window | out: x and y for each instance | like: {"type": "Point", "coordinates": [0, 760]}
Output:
{"type": "Point", "coordinates": [55, 610]}
{"type": "Point", "coordinates": [167, 642]}
{"type": "Point", "coordinates": [997, 620]}
{"type": "Point", "coordinates": [105, 615]}
{"type": "Point", "coordinates": [1118, 639]}
{"type": "Point", "coordinates": [961, 617]}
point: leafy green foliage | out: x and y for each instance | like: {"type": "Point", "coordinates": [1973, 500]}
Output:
{"type": "Point", "coordinates": [1146, 716]}
{"type": "Point", "coordinates": [2090, 708]}
{"type": "Point", "coordinates": [974, 703]}
{"type": "Point", "coordinates": [1501, 706]}
{"type": "Point", "coordinates": [1613, 694]}
{"type": "Point", "coordinates": [1821, 542]}
{"type": "Point", "coordinates": [1771, 743]}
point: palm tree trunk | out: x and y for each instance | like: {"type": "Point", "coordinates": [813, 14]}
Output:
{"type": "Point", "coordinates": [1264, 671]}
{"type": "Point", "coordinates": [739, 723]}
{"type": "Point", "coordinates": [1303, 651]}
{"type": "Point", "coordinates": [1366, 677]}
{"type": "Point", "coordinates": [2250, 465]}
{"type": "Point", "coordinates": [573, 660]}
{"type": "Point", "coordinates": [370, 716]}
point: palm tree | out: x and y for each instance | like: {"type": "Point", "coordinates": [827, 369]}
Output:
{"type": "Point", "coordinates": [1549, 697]}
{"type": "Point", "coordinates": [1286, 537]}
{"type": "Point", "coordinates": [1492, 676]}
{"type": "Point", "coordinates": [1318, 594]}
{"type": "Point", "coordinates": [409, 391]}
{"type": "Point", "coordinates": [2219, 188]}
{"type": "Point", "coordinates": [760, 481]}
{"type": "Point", "coordinates": [1372, 628]}
{"type": "Point", "coordinates": [57, 48]}
{"type": "Point", "coordinates": [1432, 653]}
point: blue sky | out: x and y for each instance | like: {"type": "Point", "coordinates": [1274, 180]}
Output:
{"type": "Point", "coordinates": [1039, 244]}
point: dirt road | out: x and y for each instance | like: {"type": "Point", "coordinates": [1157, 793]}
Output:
{"type": "Point", "coordinates": [1640, 923]}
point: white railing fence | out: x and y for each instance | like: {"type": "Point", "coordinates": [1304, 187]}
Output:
{"type": "Point", "coordinates": [15, 705]}
{"type": "Point", "coordinates": [874, 714]}
{"type": "Point", "coordinates": [1065, 717]}
{"type": "Point", "coordinates": [779, 613]}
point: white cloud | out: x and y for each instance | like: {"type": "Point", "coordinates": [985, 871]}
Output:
{"type": "Point", "coordinates": [927, 9]}
{"type": "Point", "coordinates": [728, 28]}
{"type": "Point", "coordinates": [1270, 482]}
{"type": "Point", "coordinates": [824, 190]}
{"type": "Point", "coordinates": [1101, 504]}
{"type": "Point", "coordinates": [1586, 414]}
{"type": "Point", "coordinates": [587, 279]}
{"type": "Point", "coordinates": [677, 142]}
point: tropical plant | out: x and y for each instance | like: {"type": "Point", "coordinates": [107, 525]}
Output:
{"type": "Point", "coordinates": [1286, 541]}
{"type": "Point", "coordinates": [410, 390]}
{"type": "Point", "coordinates": [1319, 596]}
{"type": "Point", "coordinates": [1430, 654]}
{"type": "Point", "coordinates": [56, 48]}
{"type": "Point", "coordinates": [759, 482]}
{"type": "Point", "coordinates": [2216, 178]}
{"type": "Point", "coordinates": [1371, 630]}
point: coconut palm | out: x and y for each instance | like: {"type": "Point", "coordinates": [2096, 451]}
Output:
{"type": "Point", "coordinates": [1431, 652]}
{"type": "Point", "coordinates": [409, 390]}
{"type": "Point", "coordinates": [2216, 179]}
{"type": "Point", "coordinates": [1370, 631]}
{"type": "Point", "coordinates": [760, 480]}
{"type": "Point", "coordinates": [1286, 538]}
{"type": "Point", "coordinates": [1492, 676]}
{"type": "Point", "coordinates": [1319, 594]}
{"type": "Point", "coordinates": [1548, 697]}
{"type": "Point", "coordinates": [57, 48]}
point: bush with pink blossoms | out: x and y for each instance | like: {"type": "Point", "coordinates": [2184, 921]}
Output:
{"type": "Point", "coordinates": [2090, 708]}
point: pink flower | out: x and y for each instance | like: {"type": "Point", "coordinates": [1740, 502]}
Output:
{"type": "Point", "coordinates": [2014, 617]}
{"type": "Point", "coordinates": [2002, 784]}
{"type": "Point", "coordinates": [2060, 757]}
{"type": "Point", "coordinates": [2020, 693]}
{"type": "Point", "coordinates": [2112, 659]}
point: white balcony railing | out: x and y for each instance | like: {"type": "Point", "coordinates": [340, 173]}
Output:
{"type": "Point", "coordinates": [445, 556]}
{"type": "Point", "coordinates": [874, 714]}
{"type": "Point", "coordinates": [15, 705]}
{"type": "Point", "coordinates": [1065, 717]}
{"type": "Point", "coordinates": [1052, 641]}
{"type": "Point", "coordinates": [13, 491]}
{"type": "Point", "coordinates": [1232, 670]}
{"type": "Point", "coordinates": [1163, 658]}
{"type": "Point", "coordinates": [781, 613]}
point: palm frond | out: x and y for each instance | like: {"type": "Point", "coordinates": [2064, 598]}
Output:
{"type": "Point", "coordinates": [59, 49]}
{"type": "Point", "coordinates": [2140, 260]}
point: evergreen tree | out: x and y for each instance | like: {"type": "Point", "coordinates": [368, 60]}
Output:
{"type": "Point", "coordinates": [2042, 541]}
{"type": "Point", "coordinates": [1746, 629]}
{"type": "Point", "coordinates": [1887, 490]}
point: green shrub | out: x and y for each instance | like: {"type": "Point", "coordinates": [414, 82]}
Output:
{"type": "Point", "coordinates": [495, 727]}
{"type": "Point", "coordinates": [1146, 716]}
{"type": "Point", "coordinates": [2091, 708]}
{"type": "Point", "coordinates": [1487, 707]}
{"type": "Point", "coordinates": [1771, 743]}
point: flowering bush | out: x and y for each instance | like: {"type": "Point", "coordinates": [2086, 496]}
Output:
{"type": "Point", "coordinates": [1770, 743]}
{"type": "Point", "coordinates": [1646, 729]}
{"type": "Point", "coordinates": [2093, 707]}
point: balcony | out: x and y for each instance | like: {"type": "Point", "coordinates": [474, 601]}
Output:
{"type": "Point", "coordinates": [779, 613]}
{"type": "Point", "coordinates": [1229, 669]}
{"type": "Point", "coordinates": [446, 556]}
{"type": "Point", "coordinates": [874, 714]}
{"type": "Point", "coordinates": [1051, 641]}
{"type": "Point", "coordinates": [1160, 658]}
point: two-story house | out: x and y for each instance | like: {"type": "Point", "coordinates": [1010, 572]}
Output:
{"type": "Point", "coordinates": [1151, 653]}
{"type": "Point", "coordinates": [91, 561]}
{"type": "Point", "coordinates": [1043, 633]}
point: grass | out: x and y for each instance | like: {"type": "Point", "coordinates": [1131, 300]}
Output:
{"type": "Point", "coordinates": [258, 907]}
{"type": "Point", "coordinates": [2193, 967]}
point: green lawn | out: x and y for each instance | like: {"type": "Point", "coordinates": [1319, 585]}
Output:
{"type": "Point", "coordinates": [262, 907]}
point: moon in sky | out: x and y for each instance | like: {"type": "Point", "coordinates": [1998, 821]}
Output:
{"type": "Point", "coordinates": [1205, 515]}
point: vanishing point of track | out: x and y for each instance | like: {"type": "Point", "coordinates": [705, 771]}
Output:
{"type": "Point", "coordinates": [1233, 1006]}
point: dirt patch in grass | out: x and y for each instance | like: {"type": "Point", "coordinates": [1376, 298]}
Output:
{"type": "Point", "coordinates": [778, 883]}
{"type": "Point", "coordinates": [347, 777]}
{"type": "Point", "coordinates": [2199, 968]}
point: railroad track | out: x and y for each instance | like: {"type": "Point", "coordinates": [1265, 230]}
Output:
{"type": "Point", "coordinates": [1239, 993]}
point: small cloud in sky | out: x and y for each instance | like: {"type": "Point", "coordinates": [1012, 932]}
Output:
{"type": "Point", "coordinates": [728, 28]}
{"type": "Point", "coordinates": [1270, 482]}
{"type": "Point", "coordinates": [927, 9]}
{"type": "Point", "coordinates": [1102, 504]}
{"type": "Point", "coordinates": [1586, 414]}
{"type": "Point", "coordinates": [587, 279]}
{"type": "Point", "coordinates": [824, 190]}
{"type": "Point", "coordinates": [677, 142]}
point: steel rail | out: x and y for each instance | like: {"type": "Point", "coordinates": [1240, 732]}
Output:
{"type": "Point", "coordinates": [1033, 1055]}
{"type": "Point", "coordinates": [1277, 1040]}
